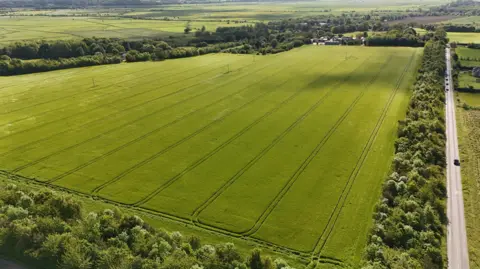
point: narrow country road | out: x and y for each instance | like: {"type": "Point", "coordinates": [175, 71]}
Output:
{"type": "Point", "coordinates": [456, 235]}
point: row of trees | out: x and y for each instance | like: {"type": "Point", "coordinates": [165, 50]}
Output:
{"type": "Point", "coordinates": [76, 48]}
{"type": "Point", "coordinates": [460, 28]}
{"type": "Point", "coordinates": [50, 230]}
{"type": "Point", "coordinates": [401, 35]}
{"type": "Point", "coordinates": [10, 67]}
{"type": "Point", "coordinates": [31, 57]}
{"type": "Point", "coordinates": [452, 28]}
{"type": "Point", "coordinates": [410, 219]}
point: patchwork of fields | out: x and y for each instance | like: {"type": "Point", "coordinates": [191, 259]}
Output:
{"type": "Point", "coordinates": [473, 20]}
{"type": "Point", "coordinates": [287, 150]}
{"type": "Point", "coordinates": [52, 28]}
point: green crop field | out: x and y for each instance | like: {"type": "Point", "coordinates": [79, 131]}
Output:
{"type": "Point", "coordinates": [288, 151]}
{"type": "Point", "coordinates": [468, 57]}
{"type": "Point", "coordinates": [464, 37]}
{"type": "Point", "coordinates": [472, 99]}
{"type": "Point", "coordinates": [40, 27]}
{"type": "Point", "coordinates": [468, 53]}
{"type": "Point", "coordinates": [474, 20]}
{"type": "Point", "coordinates": [466, 80]}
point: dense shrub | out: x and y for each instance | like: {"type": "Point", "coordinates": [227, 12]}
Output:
{"type": "Point", "coordinates": [50, 230]}
{"type": "Point", "coordinates": [18, 67]}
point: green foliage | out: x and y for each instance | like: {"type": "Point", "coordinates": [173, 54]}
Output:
{"type": "Point", "coordinates": [410, 218]}
{"type": "Point", "coordinates": [48, 230]}
{"type": "Point", "coordinates": [18, 67]}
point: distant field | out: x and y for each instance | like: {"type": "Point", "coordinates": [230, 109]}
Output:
{"type": "Point", "coordinates": [424, 19]}
{"type": "Point", "coordinates": [468, 57]}
{"type": "Point", "coordinates": [474, 20]}
{"type": "Point", "coordinates": [473, 99]}
{"type": "Point", "coordinates": [282, 150]}
{"type": "Point", "coordinates": [466, 80]}
{"type": "Point", "coordinates": [164, 21]}
{"type": "Point", "coordinates": [468, 53]}
{"type": "Point", "coordinates": [464, 37]}
{"type": "Point", "coordinates": [40, 27]}
{"type": "Point", "coordinates": [251, 11]}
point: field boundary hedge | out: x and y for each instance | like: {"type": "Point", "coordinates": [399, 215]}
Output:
{"type": "Point", "coordinates": [410, 219]}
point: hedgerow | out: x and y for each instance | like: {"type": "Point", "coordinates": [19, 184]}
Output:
{"type": "Point", "coordinates": [409, 222]}
{"type": "Point", "coordinates": [46, 229]}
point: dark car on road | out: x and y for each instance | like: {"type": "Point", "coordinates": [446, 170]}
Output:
{"type": "Point", "coordinates": [456, 162]}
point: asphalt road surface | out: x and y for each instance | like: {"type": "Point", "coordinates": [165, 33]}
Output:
{"type": "Point", "coordinates": [456, 235]}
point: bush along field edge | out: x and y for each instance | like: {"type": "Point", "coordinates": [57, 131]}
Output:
{"type": "Point", "coordinates": [48, 229]}
{"type": "Point", "coordinates": [410, 218]}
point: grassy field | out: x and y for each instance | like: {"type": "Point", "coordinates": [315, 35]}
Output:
{"type": "Point", "coordinates": [472, 99]}
{"type": "Point", "coordinates": [474, 20]}
{"type": "Point", "coordinates": [468, 53]}
{"type": "Point", "coordinates": [251, 11]}
{"type": "Point", "coordinates": [37, 28]}
{"type": "Point", "coordinates": [255, 147]}
{"type": "Point", "coordinates": [468, 57]}
{"type": "Point", "coordinates": [469, 134]}
{"type": "Point", "coordinates": [466, 80]}
{"type": "Point", "coordinates": [464, 37]}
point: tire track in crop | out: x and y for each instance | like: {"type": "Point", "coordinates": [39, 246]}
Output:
{"type": "Point", "coordinates": [69, 105]}
{"type": "Point", "coordinates": [109, 115]}
{"type": "Point", "coordinates": [93, 89]}
{"type": "Point", "coordinates": [121, 126]}
{"type": "Point", "coordinates": [154, 130]}
{"type": "Point", "coordinates": [224, 144]}
{"type": "Point", "coordinates": [113, 102]}
{"type": "Point", "coordinates": [244, 169]}
{"type": "Point", "coordinates": [348, 186]}
{"type": "Point", "coordinates": [161, 152]}
{"type": "Point", "coordinates": [273, 204]}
